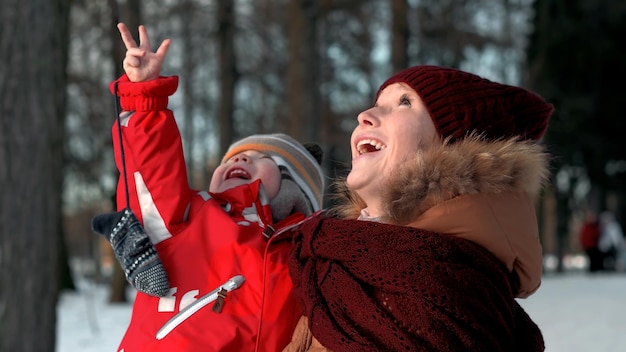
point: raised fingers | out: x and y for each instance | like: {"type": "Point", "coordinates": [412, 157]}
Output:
{"type": "Point", "coordinates": [127, 38]}
{"type": "Point", "coordinates": [144, 40]}
{"type": "Point", "coordinates": [162, 50]}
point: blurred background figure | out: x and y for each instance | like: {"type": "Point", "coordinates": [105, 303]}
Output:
{"type": "Point", "coordinates": [611, 243]}
{"type": "Point", "coordinates": [589, 240]}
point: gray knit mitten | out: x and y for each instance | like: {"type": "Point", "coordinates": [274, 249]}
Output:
{"type": "Point", "coordinates": [289, 200]}
{"type": "Point", "coordinates": [134, 251]}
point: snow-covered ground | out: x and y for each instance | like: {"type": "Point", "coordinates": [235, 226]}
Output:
{"type": "Point", "coordinates": [86, 322]}
{"type": "Point", "coordinates": [577, 312]}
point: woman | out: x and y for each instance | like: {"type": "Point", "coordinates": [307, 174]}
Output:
{"type": "Point", "coordinates": [437, 234]}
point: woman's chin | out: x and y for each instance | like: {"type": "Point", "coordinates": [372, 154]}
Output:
{"type": "Point", "coordinates": [361, 184]}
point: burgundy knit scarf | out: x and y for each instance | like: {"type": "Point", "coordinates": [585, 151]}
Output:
{"type": "Point", "coordinates": [367, 286]}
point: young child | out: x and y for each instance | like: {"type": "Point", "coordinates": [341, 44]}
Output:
{"type": "Point", "coordinates": [223, 250]}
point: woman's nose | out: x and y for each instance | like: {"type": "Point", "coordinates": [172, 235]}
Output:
{"type": "Point", "coordinates": [367, 118]}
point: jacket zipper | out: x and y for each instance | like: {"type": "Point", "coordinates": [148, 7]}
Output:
{"type": "Point", "coordinates": [218, 294]}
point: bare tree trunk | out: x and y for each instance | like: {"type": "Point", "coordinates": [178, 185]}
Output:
{"type": "Point", "coordinates": [32, 111]}
{"type": "Point", "coordinates": [399, 35]}
{"type": "Point", "coordinates": [66, 281]}
{"type": "Point", "coordinates": [130, 14]}
{"type": "Point", "coordinates": [227, 72]}
{"type": "Point", "coordinates": [303, 114]}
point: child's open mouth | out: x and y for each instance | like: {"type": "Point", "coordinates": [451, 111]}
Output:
{"type": "Point", "coordinates": [238, 173]}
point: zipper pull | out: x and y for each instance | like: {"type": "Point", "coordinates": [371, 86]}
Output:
{"type": "Point", "coordinates": [219, 302]}
{"type": "Point", "coordinates": [234, 283]}
{"type": "Point", "coordinates": [268, 231]}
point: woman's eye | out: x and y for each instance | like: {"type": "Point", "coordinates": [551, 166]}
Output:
{"type": "Point", "coordinates": [404, 100]}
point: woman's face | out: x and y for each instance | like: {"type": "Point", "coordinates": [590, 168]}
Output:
{"type": "Point", "coordinates": [245, 167]}
{"type": "Point", "coordinates": [386, 136]}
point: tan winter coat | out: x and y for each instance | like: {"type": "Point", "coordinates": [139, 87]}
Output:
{"type": "Point", "coordinates": [483, 191]}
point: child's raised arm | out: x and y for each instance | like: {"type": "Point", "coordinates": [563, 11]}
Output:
{"type": "Point", "coordinates": [140, 63]}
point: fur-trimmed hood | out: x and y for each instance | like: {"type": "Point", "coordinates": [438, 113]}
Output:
{"type": "Point", "coordinates": [469, 166]}
{"type": "Point", "coordinates": [483, 191]}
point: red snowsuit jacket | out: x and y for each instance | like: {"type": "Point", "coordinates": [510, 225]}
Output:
{"type": "Point", "coordinates": [202, 239]}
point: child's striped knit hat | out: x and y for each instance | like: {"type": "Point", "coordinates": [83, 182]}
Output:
{"type": "Point", "coordinates": [302, 162]}
{"type": "Point", "coordinates": [460, 103]}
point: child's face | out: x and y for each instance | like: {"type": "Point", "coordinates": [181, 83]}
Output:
{"type": "Point", "coordinates": [245, 167]}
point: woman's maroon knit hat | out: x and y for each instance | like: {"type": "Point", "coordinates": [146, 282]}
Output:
{"type": "Point", "coordinates": [460, 103]}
